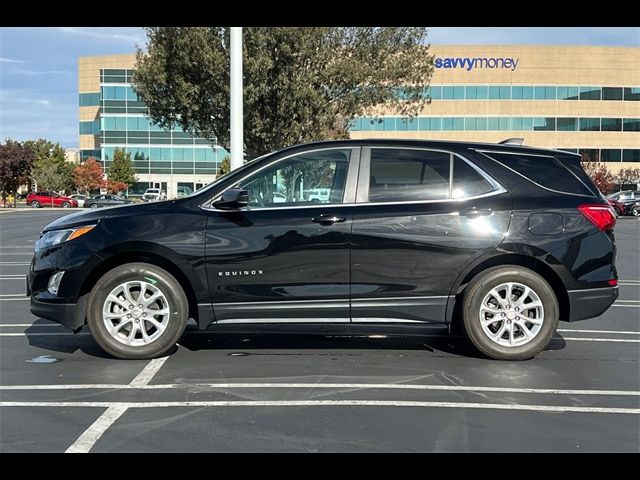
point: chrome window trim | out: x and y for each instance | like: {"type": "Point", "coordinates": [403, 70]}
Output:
{"type": "Point", "coordinates": [354, 156]}
{"type": "Point", "coordinates": [534, 182]}
{"type": "Point", "coordinates": [366, 161]}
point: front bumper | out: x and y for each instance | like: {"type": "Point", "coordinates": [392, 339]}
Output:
{"type": "Point", "coordinates": [591, 302]}
{"type": "Point", "coordinates": [70, 315]}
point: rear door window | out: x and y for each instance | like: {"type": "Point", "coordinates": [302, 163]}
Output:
{"type": "Point", "coordinates": [398, 175]}
{"type": "Point", "coordinates": [467, 181]}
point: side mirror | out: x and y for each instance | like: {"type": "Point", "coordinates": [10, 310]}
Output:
{"type": "Point", "coordinates": [233, 199]}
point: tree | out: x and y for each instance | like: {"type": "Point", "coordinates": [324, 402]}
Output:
{"type": "Point", "coordinates": [89, 176]}
{"type": "Point", "coordinates": [121, 169]}
{"type": "Point", "coordinates": [600, 175]}
{"type": "Point", "coordinates": [115, 186]}
{"type": "Point", "coordinates": [47, 149]}
{"type": "Point", "coordinates": [225, 166]}
{"type": "Point", "coordinates": [628, 176]}
{"type": "Point", "coordinates": [16, 160]}
{"type": "Point", "coordinates": [300, 84]}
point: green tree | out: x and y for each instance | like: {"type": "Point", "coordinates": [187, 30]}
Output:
{"type": "Point", "coordinates": [225, 166]}
{"type": "Point", "coordinates": [46, 149]}
{"type": "Point", "coordinates": [16, 160]}
{"type": "Point", "coordinates": [121, 169]}
{"type": "Point", "coordinates": [300, 84]}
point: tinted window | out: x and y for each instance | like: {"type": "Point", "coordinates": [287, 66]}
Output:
{"type": "Point", "coordinates": [611, 93]}
{"type": "Point", "coordinates": [406, 175]}
{"type": "Point", "coordinates": [467, 182]}
{"type": "Point", "coordinates": [308, 178]}
{"type": "Point", "coordinates": [545, 171]}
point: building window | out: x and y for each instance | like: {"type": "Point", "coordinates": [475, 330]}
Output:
{"type": "Point", "coordinates": [611, 93]}
{"type": "Point", "coordinates": [435, 92]}
{"type": "Point", "coordinates": [589, 154]}
{"type": "Point", "coordinates": [589, 124]}
{"type": "Point", "coordinates": [567, 124]}
{"type": "Point", "coordinates": [631, 155]}
{"type": "Point", "coordinates": [611, 124]}
{"type": "Point", "coordinates": [632, 94]}
{"type": "Point", "coordinates": [89, 99]}
{"type": "Point", "coordinates": [610, 155]}
{"type": "Point", "coordinates": [590, 93]}
{"type": "Point", "coordinates": [544, 123]}
{"type": "Point", "coordinates": [568, 93]}
{"type": "Point", "coordinates": [631, 124]}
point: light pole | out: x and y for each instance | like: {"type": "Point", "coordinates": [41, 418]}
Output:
{"type": "Point", "coordinates": [237, 143]}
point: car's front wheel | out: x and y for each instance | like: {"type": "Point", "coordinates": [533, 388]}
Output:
{"type": "Point", "coordinates": [35, 204]}
{"type": "Point", "coordinates": [510, 313]}
{"type": "Point", "coordinates": [93, 205]}
{"type": "Point", "coordinates": [137, 311]}
{"type": "Point", "coordinates": [635, 211]}
{"type": "Point", "coordinates": [66, 204]}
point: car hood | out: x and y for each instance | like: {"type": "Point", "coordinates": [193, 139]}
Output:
{"type": "Point", "coordinates": [94, 216]}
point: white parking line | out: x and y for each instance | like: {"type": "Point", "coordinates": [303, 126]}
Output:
{"type": "Point", "coordinates": [614, 340]}
{"type": "Point", "coordinates": [351, 386]}
{"type": "Point", "coordinates": [29, 325]}
{"type": "Point", "coordinates": [13, 299]}
{"type": "Point", "coordinates": [13, 295]}
{"type": "Point", "coordinates": [117, 408]}
{"type": "Point", "coordinates": [13, 264]}
{"type": "Point", "coordinates": [87, 440]}
{"type": "Point", "coordinates": [619, 332]}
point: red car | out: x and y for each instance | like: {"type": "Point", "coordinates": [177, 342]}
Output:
{"type": "Point", "coordinates": [50, 199]}
{"type": "Point", "coordinates": [619, 207]}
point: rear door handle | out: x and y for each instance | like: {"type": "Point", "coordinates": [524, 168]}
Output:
{"type": "Point", "coordinates": [476, 212]}
{"type": "Point", "coordinates": [327, 219]}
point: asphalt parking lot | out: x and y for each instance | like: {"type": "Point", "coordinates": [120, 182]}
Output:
{"type": "Point", "coordinates": [418, 390]}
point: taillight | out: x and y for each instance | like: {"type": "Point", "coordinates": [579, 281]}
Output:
{"type": "Point", "coordinates": [602, 216]}
{"type": "Point", "coordinates": [613, 282]}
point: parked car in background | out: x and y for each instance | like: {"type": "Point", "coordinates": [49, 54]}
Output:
{"type": "Point", "coordinates": [627, 198]}
{"type": "Point", "coordinates": [50, 199]}
{"type": "Point", "coordinates": [78, 197]}
{"type": "Point", "coordinates": [106, 201]}
{"type": "Point", "coordinates": [617, 206]}
{"type": "Point", "coordinates": [153, 195]}
{"type": "Point", "coordinates": [320, 195]}
{"type": "Point", "coordinates": [498, 241]}
{"type": "Point", "coordinates": [184, 191]}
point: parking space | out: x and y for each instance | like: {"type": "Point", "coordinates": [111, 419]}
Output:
{"type": "Point", "coordinates": [372, 390]}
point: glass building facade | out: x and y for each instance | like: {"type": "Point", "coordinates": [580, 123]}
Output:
{"type": "Point", "coordinates": [174, 160]}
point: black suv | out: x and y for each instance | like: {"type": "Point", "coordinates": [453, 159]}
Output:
{"type": "Point", "coordinates": [501, 240]}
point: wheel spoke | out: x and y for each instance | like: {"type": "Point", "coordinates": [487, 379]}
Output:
{"type": "Point", "coordinates": [535, 321]}
{"type": "Point", "coordinates": [525, 330]}
{"type": "Point", "coordinates": [496, 295]}
{"type": "Point", "coordinates": [155, 323]}
{"type": "Point", "coordinates": [127, 293]}
{"type": "Point", "coordinates": [534, 304]}
{"type": "Point", "coordinates": [523, 297]}
{"type": "Point", "coordinates": [488, 309]}
{"type": "Point", "coordinates": [132, 333]}
{"type": "Point", "coordinates": [117, 301]}
{"type": "Point", "coordinates": [500, 331]}
{"type": "Point", "coordinates": [511, 335]}
{"type": "Point", "coordinates": [118, 327]}
{"type": "Point", "coordinates": [164, 311]}
{"type": "Point", "coordinates": [509, 293]}
{"type": "Point", "coordinates": [148, 301]}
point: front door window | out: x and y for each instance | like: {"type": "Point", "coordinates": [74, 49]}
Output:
{"type": "Point", "coordinates": [306, 179]}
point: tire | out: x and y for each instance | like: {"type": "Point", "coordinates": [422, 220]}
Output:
{"type": "Point", "coordinates": [126, 342]}
{"type": "Point", "coordinates": [66, 204]}
{"type": "Point", "coordinates": [635, 211]}
{"type": "Point", "coordinates": [35, 204]}
{"type": "Point", "coordinates": [521, 346]}
{"type": "Point", "coordinates": [93, 205]}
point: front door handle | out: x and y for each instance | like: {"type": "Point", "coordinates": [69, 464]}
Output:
{"type": "Point", "coordinates": [327, 219]}
{"type": "Point", "coordinates": [476, 212]}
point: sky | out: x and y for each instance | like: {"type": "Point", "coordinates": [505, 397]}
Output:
{"type": "Point", "coordinates": [39, 70]}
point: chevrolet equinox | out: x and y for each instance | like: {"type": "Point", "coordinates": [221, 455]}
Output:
{"type": "Point", "coordinates": [502, 241]}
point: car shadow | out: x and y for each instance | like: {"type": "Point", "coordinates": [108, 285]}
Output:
{"type": "Point", "coordinates": [275, 337]}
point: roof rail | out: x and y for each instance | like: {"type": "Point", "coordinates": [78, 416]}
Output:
{"type": "Point", "coordinates": [512, 141]}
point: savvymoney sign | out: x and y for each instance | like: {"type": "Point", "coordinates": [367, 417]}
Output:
{"type": "Point", "coordinates": [478, 62]}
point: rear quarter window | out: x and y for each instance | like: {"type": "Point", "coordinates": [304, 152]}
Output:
{"type": "Point", "coordinates": [545, 171]}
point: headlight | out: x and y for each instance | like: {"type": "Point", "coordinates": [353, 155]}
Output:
{"type": "Point", "coordinates": [55, 237]}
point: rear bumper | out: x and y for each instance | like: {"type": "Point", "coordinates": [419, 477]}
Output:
{"type": "Point", "coordinates": [591, 302]}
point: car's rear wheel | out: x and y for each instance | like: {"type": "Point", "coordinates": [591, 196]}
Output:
{"type": "Point", "coordinates": [94, 205]}
{"type": "Point", "coordinates": [35, 204]}
{"type": "Point", "coordinates": [137, 311]}
{"type": "Point", "coordinates": [635, 211]}
{"type": "Point", "coordinates": [509, 313]}
{"type": "Point", "coordinates": [66, 204]}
